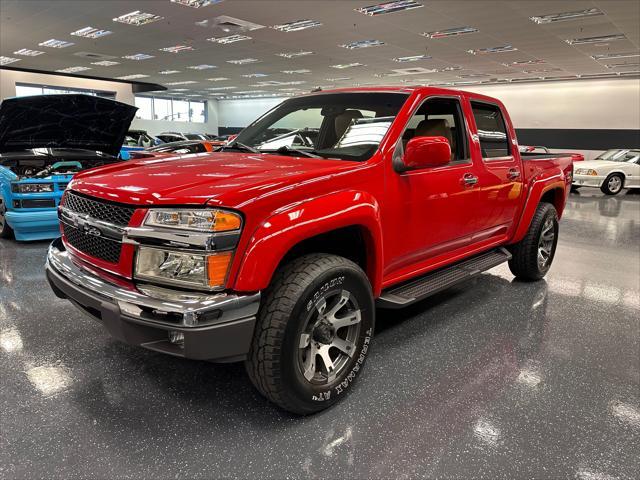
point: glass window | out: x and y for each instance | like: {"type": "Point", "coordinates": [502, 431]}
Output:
{"type": "Point", "coordinates": [180, 111]}
{"type": "Point", "coordinates": [198, 114]}
{"type": "Point", "coordinates": [492, 131]}
{"type": "Point", "coordinates": [162, 109]}
{"type": "Point", "coordinates": [145, 108]}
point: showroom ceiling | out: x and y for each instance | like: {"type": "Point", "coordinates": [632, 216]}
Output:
{"type": "Point", "coordinates": [341, 46]}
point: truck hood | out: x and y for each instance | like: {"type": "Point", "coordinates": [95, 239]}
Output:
{"type": "Point", "coordinates": [222, 178]}
{"type": "Point", "coordinates": [65, 122]}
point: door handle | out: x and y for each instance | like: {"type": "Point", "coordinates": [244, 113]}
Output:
{"type": "Point", "coordinates": [513, 174]}
{"type": "Point", "coordinates": [469, 179]}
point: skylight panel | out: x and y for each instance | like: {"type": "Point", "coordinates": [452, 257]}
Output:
{"type": "Point", "coordinates": [53, 43]}
{"type": "Point", "coordinates": [138, 56]}
{"type": "Point", "coordinates": [561, 17]}
{"type": "Point", "coordinates": [203, 66]}
{"type": "Point", "coordinates": [73, 69]}
{"type": "Point", "coordinates": [138, 18]}
{"type": "Point", "coordinates": [229, 39]}
{"type": "Point", "coordinates": [196, 3]}
{"type": "Point", "coordinates": [484, 51]}
{"type": "Point", "coordinates": [105, 63]}
{"type": "Point", "coordinates": [177, 49]}
{"type": "Point", "coordinates": [294, 54]}
{"type": "Point", "coordinates": [389, 7]}
{"type": "Point", "coordinates": [90, 32]}
{"type": "Point", "coordinates": [168, 72]}
{"type": "Point", "coordinates": [612, 56]}
{"type": "Point", "coordinates": [598, 39]}
{"type": "Point", "coordinates": [450, 32]}
{"type": "Point", "coordinates": [297, 25]}
{"type": "Point", "coordinates": [134, 76]}
{"type": "Point", "coordinates": [362, 44]}
{"type": "Point", "coordinates": [243, 61]}
{"type": "Point", "coordinates": [217, 79]}
{"type": "Point", "coordinates": [184, 82]}
{"type": "Point", "coordinates": [294, 72]}
{"type": "Point", "coordinates": [28, 53]}
{"type": "Point", "coordinates": [342, 66]}
{"type": "Point", "coordinates": [412, 58]}
{"type": "Point", "coordinates": [8, 60]}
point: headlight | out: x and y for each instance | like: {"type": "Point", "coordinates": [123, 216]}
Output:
{"type": "Point", "coordinates": [183, 268]}
{"type": "Point", "coordinates": [32, 187]}
{"type": "Point", "coordinates": [586, 171]}
{"type": "Point", "coordinates": [204, 220]}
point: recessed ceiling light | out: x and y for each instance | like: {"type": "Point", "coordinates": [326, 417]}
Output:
{"type": "Point", "coordinates": [342, 66]}
{"type": "Point", "coordinates": [28, 53]}
{"type": "Point", "coordinates": [132, 77]}
{"type": "Point", "coordinates": [561, 17]}
{"type": "Point", "coordinates": [337, 79]}
{"type": "Point", "coordinates": [622, 65]}
{"type": "Point", "coordinates": [138, 18]}
{"type": "Point", "coordinates": [598, 75]}
{"type": "Point", "coordinates": [410, 71]}
{"type": "Point", "coordinates": [168, 72]}
{"type": "Point", "coordinates": [289, 89]}
{"type": "Point", "coordinates": [612, 56]}
{"type": "Point", "coordinates": [543, 70]}
{"type": "Point", "coordinates": [217, 79]}
{"type": "Point", "coordinates": [450, 68]}
{"type": "Point", "coordinates": [294, 54]}
{"type": "Point", "coordinates": [105, 63]}
{"type": "Point", "coordinates": [249, 92]}
{"type": "Point", "coordinates": [53, 43]}
{"type": "Point", "coordinates": [362, 44]}
{"type": "Point", "coordinates": [293, 72]}
{"type": "Point", "coordinates": [177, 48]}
{"type": "Point", "coordinates": [598, 39]}
{"type": "Point", "coordinates": [524, 62]}
{"type": "Point", "coordinates": [138, 56]}
{"type": "Point", "coordinates": [501, 49]}
{"type": "Point", "coordinates": [275, 83]}
{"type": "Point", "coordinates": [450, 32]}
{"type": "Point", "coordinates": [73, 69]}
{"type": "Point", "coordinates": [229, 39]}
{"type": "Point", "coordinates": [196, 3]}
{"type": "Point", "coordinates": [412, 58]}
{"type": "Point", "coordinates": [473, 75]}
{"type": "Point", "coordinates": [389, 7]}
{"type": "Point", "coordinates": [243, 61]}
{"type": "Point", "coordinates": [90, 32]}
{"type": "Point", "coordinates": [204, 66]}
{"type": "Point", "coordinates": [297, 25]}
{"type": "Point", "coordinates": [254, 75]}
{"type": "Point", "coordinates": [178, 89]}
{"type": "Point", "coordinates": [184, 82]}
{"type": "Point", "coordinates": [524, 79]}
{"type": "Point", "coordinates": [217, 89]}
{"type": "Point", "coordinates": [8, 60]}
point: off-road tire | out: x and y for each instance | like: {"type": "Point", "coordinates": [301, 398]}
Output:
{"type": "Point", "coordinates": [605, 188]}
{"type": "Point", "coordinates": [272, 362]}
{"type": "Point", "coordinates": [524, 262]}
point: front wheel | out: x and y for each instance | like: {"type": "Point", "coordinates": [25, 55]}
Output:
{"type": "Point", "coordinates": [312, 334]}
{"type": "Point", "coordinates": [5, 230]}
{"type": "Point", "coordinates": [612, 185]}
{"type": "Point", "coordinates": [533, 255]}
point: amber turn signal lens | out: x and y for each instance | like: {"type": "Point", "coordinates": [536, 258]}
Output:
{"type": "Point", "coordinates": [217, 267]}
{"type": "Point", "coordinates": [226, 221]}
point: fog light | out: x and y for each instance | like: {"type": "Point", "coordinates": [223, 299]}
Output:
{"type": "Point", "coordinates": [177, 338]}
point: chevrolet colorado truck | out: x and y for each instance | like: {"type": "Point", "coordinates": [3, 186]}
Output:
{"type": "Point", "coordinates": [277, 249]}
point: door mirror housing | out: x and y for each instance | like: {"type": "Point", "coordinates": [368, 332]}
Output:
{"type": "Point", "coordinates": [426, 152]}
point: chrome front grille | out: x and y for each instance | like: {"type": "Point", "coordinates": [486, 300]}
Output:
{"type": "Point", "coordinates": [105, 211]}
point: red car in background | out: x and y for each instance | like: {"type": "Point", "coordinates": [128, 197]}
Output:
{"type": "Point", "coordinates": [576, 157]}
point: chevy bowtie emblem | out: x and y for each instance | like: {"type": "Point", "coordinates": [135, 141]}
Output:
{"type": "Point", "coordinates": [92, 231]}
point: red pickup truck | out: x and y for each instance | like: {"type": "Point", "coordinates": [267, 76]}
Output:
{"type": "Point", "coordinates": [277, 249]}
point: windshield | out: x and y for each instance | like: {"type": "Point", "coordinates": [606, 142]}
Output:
{"type": "Point", "coordinates": [347, 126]}
{"type": "Point", "coordinates": [618, 155]}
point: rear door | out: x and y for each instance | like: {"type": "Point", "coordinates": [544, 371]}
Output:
{"type": "Point", "coordinates": [500, 185]}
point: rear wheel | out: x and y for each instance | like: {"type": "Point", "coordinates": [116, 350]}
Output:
{"type": "Point", "coordinates": [533, 255]}
{"type": "Point", "coordinates": [5, 230]}
{"type": "Point", "coordinates": [612, 185]}
{"type": "Point", "coordinates": [313, 333]}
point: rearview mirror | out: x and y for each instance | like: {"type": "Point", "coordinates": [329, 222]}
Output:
{"type": "Point", "coordinates": [426, 152]}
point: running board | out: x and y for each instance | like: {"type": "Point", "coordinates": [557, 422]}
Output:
{"type": "Point", "coordinates": [434, 282]}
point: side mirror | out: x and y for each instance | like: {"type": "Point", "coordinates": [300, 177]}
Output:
{"type": "Point", "coordinates": [426, 152]}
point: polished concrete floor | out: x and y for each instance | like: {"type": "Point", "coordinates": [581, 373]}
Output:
{"type": "Point", "coordinates": [494, 379]}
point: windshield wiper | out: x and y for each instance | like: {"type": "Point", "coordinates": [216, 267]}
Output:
{"type": "Point", "coordinates": [302, 153]}
{"type": "Point", "coordinates": [238, 146]}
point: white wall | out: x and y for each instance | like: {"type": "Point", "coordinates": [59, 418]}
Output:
{"type": "Point", "coordinates": [240, 113]}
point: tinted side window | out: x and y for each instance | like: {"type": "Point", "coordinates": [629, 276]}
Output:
{"type": "Point", "coordinates": [494, 141]}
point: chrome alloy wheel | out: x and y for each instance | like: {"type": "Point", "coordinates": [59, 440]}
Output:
{"type": "Point", "coordinates": [614, 184]}
{"type": "Point", "coordinates": [329, 338]}
{"type": "Point", "coordinates": [545, 243]}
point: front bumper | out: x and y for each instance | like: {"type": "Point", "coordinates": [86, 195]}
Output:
{"type": "Point", "coordinates": [587, 180]}
{"type": "Point", "coordinates": [37, 225]}
{"type": "Point", "coordinates": [215, 327]}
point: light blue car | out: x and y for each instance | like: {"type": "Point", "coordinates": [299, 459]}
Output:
{"type": "Point", "coordinates": [44, 141]}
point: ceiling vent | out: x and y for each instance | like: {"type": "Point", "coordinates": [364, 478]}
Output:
{"type": "Point", "coordinates": [94, 56]}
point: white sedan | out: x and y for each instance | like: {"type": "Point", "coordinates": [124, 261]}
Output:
{"type": "Point", "coordinates": [611, 171]}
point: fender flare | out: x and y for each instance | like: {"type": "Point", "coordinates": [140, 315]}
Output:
{"type": "Point", "coordinates": [288, 226]}
{"type": "Point", "coordinates": [537, 191]}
